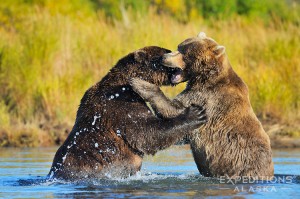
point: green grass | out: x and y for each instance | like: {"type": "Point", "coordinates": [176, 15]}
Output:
{"type": "Point", "coordinates": [51, 52]}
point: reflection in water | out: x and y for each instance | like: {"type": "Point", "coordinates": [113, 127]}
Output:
{"type": "Point", "coordinates": [171, 173]}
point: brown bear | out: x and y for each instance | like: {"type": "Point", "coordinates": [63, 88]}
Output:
{"type": "Point", "coordinates": [233, 142]}
{"type": "Point", "coordinates": [114, 128]}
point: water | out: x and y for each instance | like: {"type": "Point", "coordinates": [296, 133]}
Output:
{"type": "Point", "coordinates": [169, 174]}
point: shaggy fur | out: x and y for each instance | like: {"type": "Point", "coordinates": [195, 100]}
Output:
{"type": "Point", "coordinates": [114, 128]}
{"type": "Point", "coordinates": [233, 142]}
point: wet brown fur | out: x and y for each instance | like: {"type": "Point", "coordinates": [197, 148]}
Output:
{"type": "Point", "coordinates": [114, 128]}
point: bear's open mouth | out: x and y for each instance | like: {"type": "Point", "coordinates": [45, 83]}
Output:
{"type": "Point", "coordinates": [177, 76]}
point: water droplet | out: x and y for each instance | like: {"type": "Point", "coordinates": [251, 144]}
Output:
{"type": "Point", "coordinates": [64, 158]}
{"type": "Point", "coordinates": [95, 118]}
{"type": "Point", "coordinates": [51, 174]}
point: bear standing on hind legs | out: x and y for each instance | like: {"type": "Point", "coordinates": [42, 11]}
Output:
{"type": "Point", "coordinates": [233, 142]}
{"type": "Point", "coordinates": [114, 128]}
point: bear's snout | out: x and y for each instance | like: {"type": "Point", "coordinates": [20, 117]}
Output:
{"type": "Point", "coordinates": [173, 60]}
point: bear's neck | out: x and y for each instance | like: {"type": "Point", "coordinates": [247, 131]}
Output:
{"type": "Point", "coordinates": [113, 79]}
{"type": "Point", "coordinates": [116, 85]}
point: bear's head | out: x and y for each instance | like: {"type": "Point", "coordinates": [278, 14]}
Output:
{"type": "Point", "coordinates": [146, 64]}
{"type": "Point", "coordinates": [199, 58]}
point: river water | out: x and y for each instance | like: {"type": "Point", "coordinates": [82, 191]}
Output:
{"type": "Point", "coordinates": [171, 173]}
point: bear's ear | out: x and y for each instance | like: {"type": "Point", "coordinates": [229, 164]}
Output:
{"type": "Point", "coordinates": [201, 35]}
{"type": "Point", "coordinates": [140, 56]}
{"type": "Point", "coordinates": [219, 51]}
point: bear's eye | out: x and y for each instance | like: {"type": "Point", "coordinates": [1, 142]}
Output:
{"type": "Point", "coordinates": [181, 50]}
{"type": "Point", "coordinates": [155, 58]}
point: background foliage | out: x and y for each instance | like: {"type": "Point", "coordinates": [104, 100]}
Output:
{"type": "Point", "coordinates": [52, 51]}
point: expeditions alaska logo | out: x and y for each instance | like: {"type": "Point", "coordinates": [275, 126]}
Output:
{"type": "Point", "coordinates": [255, 184]}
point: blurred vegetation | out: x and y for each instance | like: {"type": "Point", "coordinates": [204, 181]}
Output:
{"type": "Point", "coordinates": [52, 51]}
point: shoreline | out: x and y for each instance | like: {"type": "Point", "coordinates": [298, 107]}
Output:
{"type": "Point", "coordinates": [282, 135]}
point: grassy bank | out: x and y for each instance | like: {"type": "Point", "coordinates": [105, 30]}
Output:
{"type": "Point", "coordinates": [51, 52]}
